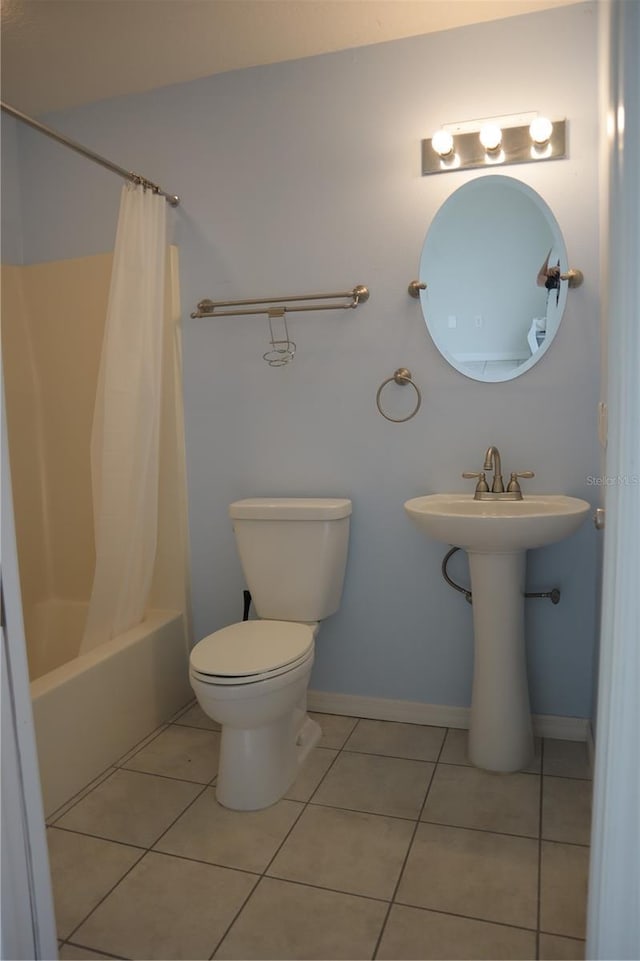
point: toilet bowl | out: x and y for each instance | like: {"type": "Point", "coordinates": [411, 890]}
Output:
{"type": "Point", "coordinates": [252, 677]}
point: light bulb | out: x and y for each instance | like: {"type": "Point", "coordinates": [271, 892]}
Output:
{"type": "Point", "coordinates": [491, 136]}
{"type": "Point", "coordinates": [442, 143]}
{"type": "Point", "coordinates": [540, 130]}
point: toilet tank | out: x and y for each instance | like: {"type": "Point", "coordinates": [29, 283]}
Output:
{"type": "Point", "coordinates": [293, 552]}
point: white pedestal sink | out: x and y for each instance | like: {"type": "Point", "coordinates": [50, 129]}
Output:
{"type": "Point", "coordinates": [496, 535]}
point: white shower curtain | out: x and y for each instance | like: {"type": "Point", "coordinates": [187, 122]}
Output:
{"type": "Point", "coordinates": [125, 435]}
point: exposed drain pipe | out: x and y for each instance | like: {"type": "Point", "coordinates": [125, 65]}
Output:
{"type": "Point", "coordinates": [553, 595]}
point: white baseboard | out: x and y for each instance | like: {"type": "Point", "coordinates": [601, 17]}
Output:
{"type": "Point", "coordinates": [385, 709]}
{"type": "Point", "coordinates": [564, 728]}
{"type": "Point", "coordinates": [438, 715]}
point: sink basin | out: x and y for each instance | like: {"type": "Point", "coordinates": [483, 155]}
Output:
{"type": "Point", "coordinates": [497, 526]}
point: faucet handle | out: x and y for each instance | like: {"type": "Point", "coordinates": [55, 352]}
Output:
{"type": "Point", "coordinates": [513, 486]}
{"type": "Point", "coordinates": [482, 485]}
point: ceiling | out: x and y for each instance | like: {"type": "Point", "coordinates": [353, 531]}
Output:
{"type": "Point", "coordinates": [63, 53]}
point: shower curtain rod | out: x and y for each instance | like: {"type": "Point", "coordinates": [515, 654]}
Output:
{"type": "Point", "coordinates": [135, 178]}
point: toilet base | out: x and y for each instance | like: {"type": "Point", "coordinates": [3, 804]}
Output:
{"type": "Point", "coordinates": [258, 765]}
{"type": "Point", "coordinates": [309, 734]}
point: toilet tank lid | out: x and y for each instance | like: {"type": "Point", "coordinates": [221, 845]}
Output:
{"type": "Point", "coordinates": [291, 508]}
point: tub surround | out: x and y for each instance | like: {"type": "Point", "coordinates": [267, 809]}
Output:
{"type": "Point", "coordinates": [51, 360]}
{"type": "Point", "coordinates": [88, 712]}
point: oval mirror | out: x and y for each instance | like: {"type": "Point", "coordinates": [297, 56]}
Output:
{"type": "Point", "coordinates": [490, 261]}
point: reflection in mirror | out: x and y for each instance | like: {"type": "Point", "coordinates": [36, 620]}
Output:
{"type": "Point", "coordinates": [493, 300]}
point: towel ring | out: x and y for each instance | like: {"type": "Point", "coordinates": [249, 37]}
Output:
{"type": "Point", "coordinates": [401, 376]}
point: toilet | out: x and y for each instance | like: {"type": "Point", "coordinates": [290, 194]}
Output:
{"type": "Point", "coordinates": [252, 677]}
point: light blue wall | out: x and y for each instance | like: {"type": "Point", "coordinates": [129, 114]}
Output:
{"type": "Point", "coordinates": [305, 176]}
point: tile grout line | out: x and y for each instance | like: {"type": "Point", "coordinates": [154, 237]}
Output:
{"type": "Point", "coordinates": [263, 874]}
{"type": "Point", "coordinates": [392, 900]}
{"type": "Point", "coordinates": [182, 711]}
{"type": "Point", "coordinates": [323, 887]}
{"type": "Point", "coordinates": [153, 848]}
{"type": "Point", "coordinates": [101, 837]}
{"type": "Point", "coordinates": [109, 773]}
{"type": "Point", "coordinates": [125, 759]}
{"type": "Point", "coordinates": [306, 884]}
{"type": "Point", "coordinates": [142, 743]}
{"type": "Point", "coordinates": [85, 947]}
{"type": "Point", "coordinates": [467, 917]}
{"type": "Point", "coordinates": [144, 850]}
{"type": "Point", "coordinates": [444, 824]}
{"type": "Point", "coordinates": [103, 898]}
{"type": "Point", "coordinates": [403, 757]}
{"type": "Point", "coordinates": [304, 805]}
{"type": "Point", "coordinates": [301, 884]}
{"type": "Point", "coordinates": [235, 917]}
{"type": "Point", "coordinates": [71, 802]}
{"type": "Point", "coordinates": [166, 777]}
{"type": "Point", "coordinates": [344, 749]}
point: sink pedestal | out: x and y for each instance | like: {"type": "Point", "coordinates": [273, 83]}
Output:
{"type": "Point", "coordinates": [496, 535]}
{"type": "Point", "coordinates": [500, 735]}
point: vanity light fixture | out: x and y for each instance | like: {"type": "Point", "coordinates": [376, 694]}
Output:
{"type": "Point", "coordinates": [494, 141]}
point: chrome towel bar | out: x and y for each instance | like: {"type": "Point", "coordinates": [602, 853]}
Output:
{"type": "Point", "coordinates": [209, 308]}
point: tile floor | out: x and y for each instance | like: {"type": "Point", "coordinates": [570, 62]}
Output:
{"type": "Point", "coordinates": [389, 845]}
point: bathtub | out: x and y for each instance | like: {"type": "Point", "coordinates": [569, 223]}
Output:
{"type": "Point", "coordinates": [92, 709]}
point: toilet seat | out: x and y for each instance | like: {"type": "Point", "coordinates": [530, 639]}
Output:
{"type": "Point", "coordinates": [251, 651]}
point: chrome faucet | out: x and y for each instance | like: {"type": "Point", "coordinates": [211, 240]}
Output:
{"type": "Point", "coordinates": [493, 462]}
